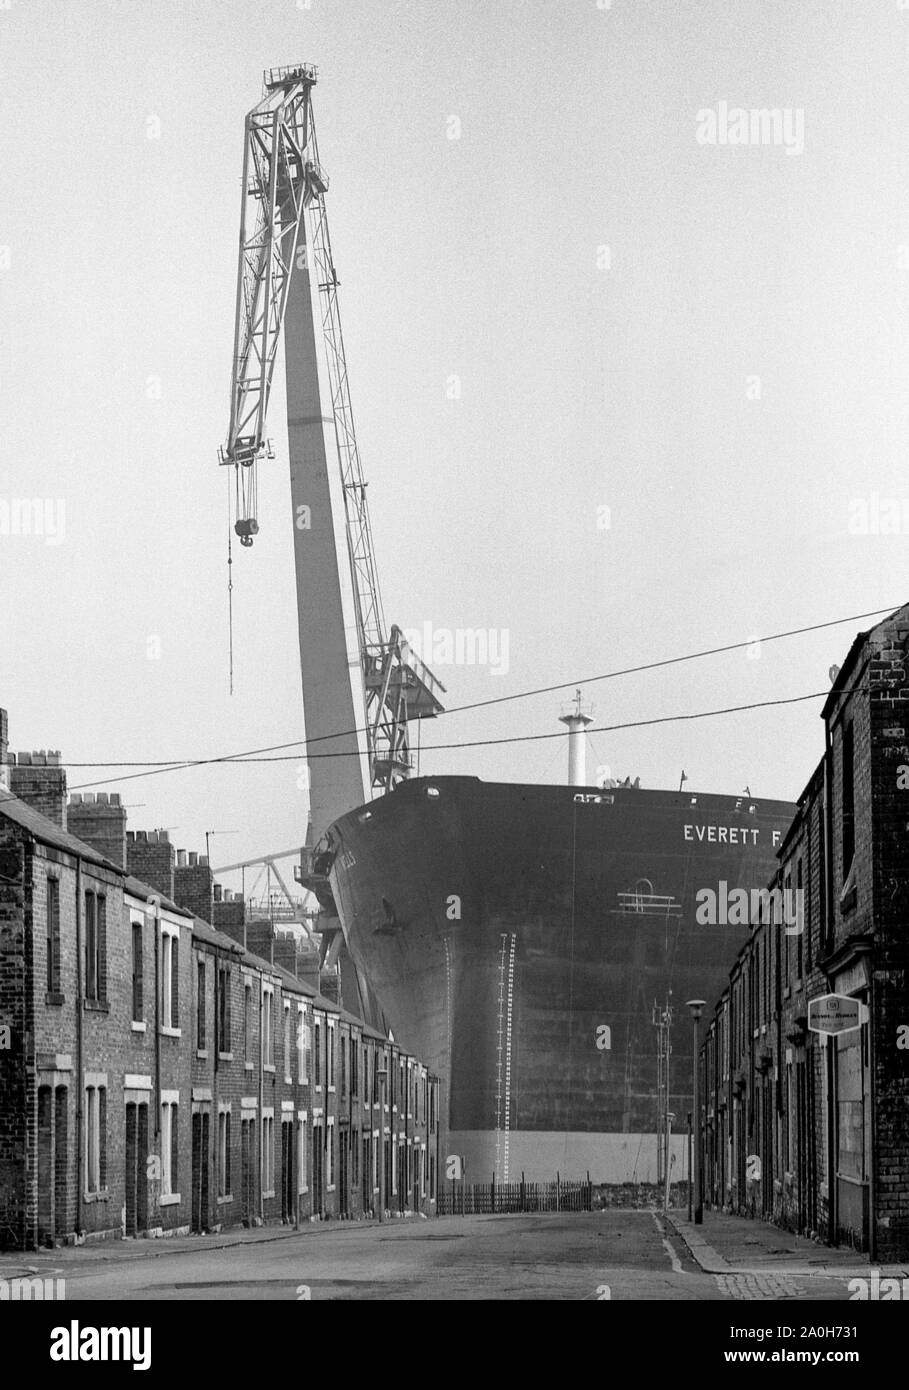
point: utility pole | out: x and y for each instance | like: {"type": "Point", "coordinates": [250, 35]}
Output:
{"type": "Point", "coordinates": [662, 1021]}
{"type": "Point", "coordinates": [211, 889]}
{"type": "Point", "coordinates": [696, 1007]}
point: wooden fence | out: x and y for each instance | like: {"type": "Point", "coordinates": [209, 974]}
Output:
{"type": "Point", "coordinates": [485, 1199]}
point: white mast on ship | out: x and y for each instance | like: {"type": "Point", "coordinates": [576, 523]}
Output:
{"type": "Point", "coordinates": [577, 717]}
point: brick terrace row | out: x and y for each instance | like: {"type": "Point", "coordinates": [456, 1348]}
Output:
{"type": "Point", "coordinates": [158, 1077]}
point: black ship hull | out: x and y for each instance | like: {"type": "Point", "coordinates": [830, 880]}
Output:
{"type": "Point", "coordinates": [518, 937]}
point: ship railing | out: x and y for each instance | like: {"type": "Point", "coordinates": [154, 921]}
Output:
{"type": "Point", "coordinates": [649, 904]}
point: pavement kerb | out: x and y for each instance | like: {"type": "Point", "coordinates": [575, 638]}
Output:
{"type": "Point", "coordinates": [114, 1249]}
{"type": "Point", "coordinates": [712, 1262]}
{"type": "Point", "coordinates": [702, 1252]}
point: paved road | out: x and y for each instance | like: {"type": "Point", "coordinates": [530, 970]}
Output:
{"type": "Point", "coordinates": [589, 1256]}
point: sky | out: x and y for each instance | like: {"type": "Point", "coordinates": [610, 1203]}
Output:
{"type": "Point", "coordinates": [621, 393]}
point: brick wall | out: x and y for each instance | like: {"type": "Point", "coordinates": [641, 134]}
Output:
{"type": "Point", "coordinates": [13, 1097]}
{"type": "Point", "coordinates": [855, 942]}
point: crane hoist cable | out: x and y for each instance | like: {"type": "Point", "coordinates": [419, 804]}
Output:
{"type": "Point", "coordinates": [230, 591]}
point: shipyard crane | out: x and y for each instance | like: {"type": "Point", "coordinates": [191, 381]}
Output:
{"type": "Point", "coordinates": [362, 684]}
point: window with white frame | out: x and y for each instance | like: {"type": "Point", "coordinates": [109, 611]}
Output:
{"type": "Point", "coordinates": [287, 1075]}
{"type": "Point", "coordinates": [268, 1004]}
{"type": "Point", "coordinates": [224, 1152]}
{"type": "Point", "coordinates": [95, 1137]}
{"type": "Point", "coordinates": [330, 1055]}
{"type": "Point", "coordinates": [330, 1155]}
{"type": "Point", "coordinates": [302, 1178]}
{"type": "Point", "coordinates": [170, 977]}
{"type": "Point", "coordinates": [200, 1003]}
{"type": "Point", "coordinates": [249, 1031]}
{"type": "Point", "coordinates": [224, 1039]}
{"type": "Point", "coordinates": [317, 1053]}
{"type": "Point", "coordinates": [170, 1146]}
{"type": "Point", "coordinates": [268, 1153]}
{"type": "Point", "coordinates": [301, 1043]}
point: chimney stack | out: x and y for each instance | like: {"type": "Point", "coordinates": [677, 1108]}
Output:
{"type": "Point", "coordinates": [150, 856]}
{"type": "Point", "coordinates": [193, 884]}
{"type": "Point", "coordinates": [39, 780]}
{"type": "Point", "coordinates": [100, 821]}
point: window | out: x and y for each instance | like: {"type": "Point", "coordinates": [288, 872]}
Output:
{"type": "Point", "coordinates": [287, 1040]}
{"type": "Point", "coordinates": [302, 1183]}
{"type": "Point", "coordinates": [170, 1147]}
{"type": "Point", "coordinates": [318, 1055]}
{"type": "Point", "coordinates": [330, 1055]}
{"type": "Point", "coordinates": [799, 918]}
{"type": "Point", "coordinates": [224, 1153]}
{"type": "Point", "coordinates": [343, 1056]}
{"type": "Point", "coordinates": [247, 1023]}
{"type": "Point", "coordinates": [375, 1079]}
{"type": "Point", "coordinates": [200, 1004]}
{"type": "Point", "coordinates": [137, 972]}
{"type": "Point", "coordinates": [53, 936]}
{"type": "Point", "coordinates": [95, 947]}
{"type": "Point", "coordinates": [224, 1041]}
{"type": "Point", "coordinates": [95, 1138]}
{"type": "Point", "coordinates": [330, 1155]}
{"type": "Point", "coordinates": [847, 782]}
{"type": "Point", "coordinates": [354, 1079]}
{"type": "Point", "coordinates": [268, 1046]}
{"type": "Point", "coordinates": [302, 1044]}
{"type": "Point", "coordinates": [170, 980]}
{"type": "Point", "coordinates": [268, 1155]}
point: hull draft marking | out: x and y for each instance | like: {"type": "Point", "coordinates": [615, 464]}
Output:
{"type": "Point", "coordinates": [503, 1053]}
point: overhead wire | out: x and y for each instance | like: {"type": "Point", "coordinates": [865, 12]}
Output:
{"type": "Point", "coordinates": [154, 767]}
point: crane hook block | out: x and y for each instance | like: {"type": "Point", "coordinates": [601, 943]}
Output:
{"type": "Point", "coordinates": [246, 528]}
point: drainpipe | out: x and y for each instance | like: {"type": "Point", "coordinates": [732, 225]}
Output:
{"type": "Point", "coordinates": [295, 1124]}
{"type": "Point", "coordinates": [830, 1043]}
{"type": "Point", "coordinates": [261, 1119]}
{"type": "Point", "coordinates": [828, 835]}
{"type": "Point", "coordinates": [30, 1043]}
{"type": "Point", "coordinates": [157, 1117]}
{"type": "Point", "coordinates": [80, 1087]}
{"type": "Point", "coordinates": [214, 1133]}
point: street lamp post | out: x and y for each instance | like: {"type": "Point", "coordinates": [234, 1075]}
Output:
{"type": "Point", "coordinates": [670, 1116]}
{"type": "Point", "coordinates": [690, 1187]}
{"type": "Point", "coordinates": [697, 1008]}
